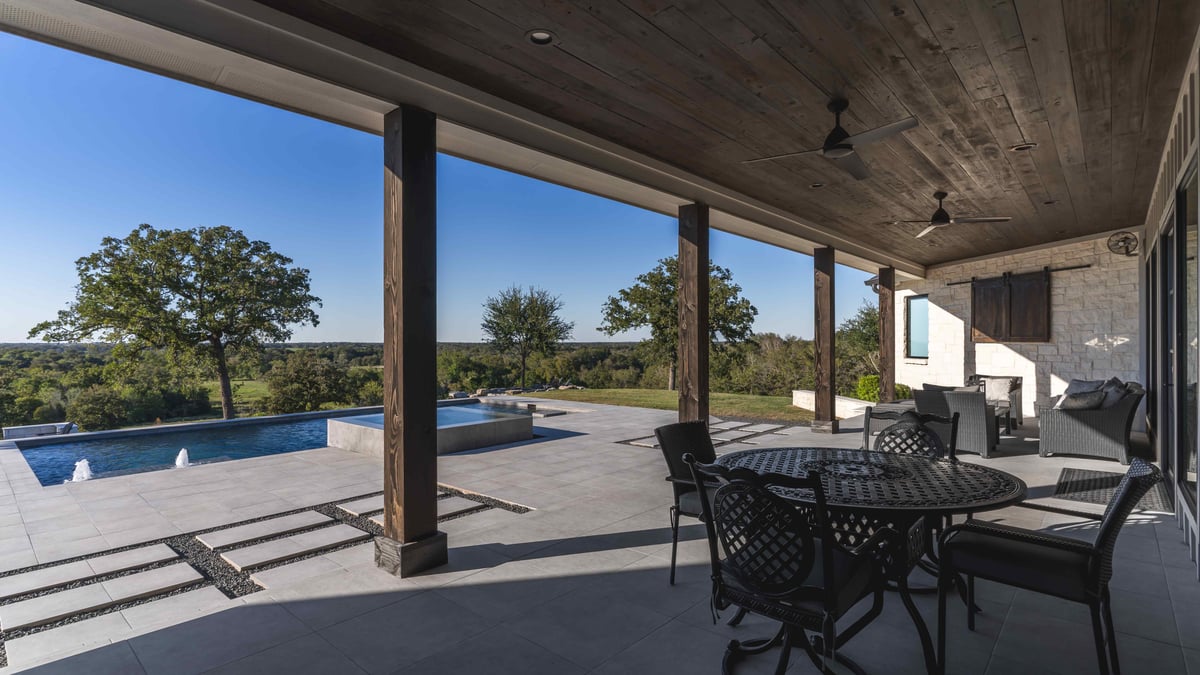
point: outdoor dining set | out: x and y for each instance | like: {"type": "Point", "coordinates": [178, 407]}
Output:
{"type": "Point", "coordinates": [804, 535]}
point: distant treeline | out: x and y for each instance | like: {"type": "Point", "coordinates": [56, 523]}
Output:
{"type": "Point", "coordinates": [101, 387]}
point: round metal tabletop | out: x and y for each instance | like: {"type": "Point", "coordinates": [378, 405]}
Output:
{"type": "Point", "coordinates": [861, 480]}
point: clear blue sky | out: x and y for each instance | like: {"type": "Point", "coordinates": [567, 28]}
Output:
{"type": "Point", "coordinates": [90, 149]}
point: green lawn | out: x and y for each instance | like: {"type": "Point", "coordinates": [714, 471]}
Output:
{"type": "Point", "coordinates": [244, 391]}
{"type": "Point", "coordinates": [778, 408]}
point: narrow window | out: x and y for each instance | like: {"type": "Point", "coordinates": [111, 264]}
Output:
{"type": "Point", "coordinates": [916, 324]}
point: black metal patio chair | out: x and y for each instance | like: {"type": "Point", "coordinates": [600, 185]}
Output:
{"type": "Point", "coordinates": [781, 561]}
{"type": "Point", "coordinates": [677, 440]}
{"type": "Point", "coordinates": [1046, 563]}
{"type": "Point", "coordinates": [911, 434]}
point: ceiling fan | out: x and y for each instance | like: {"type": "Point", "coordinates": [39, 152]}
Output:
{"type": "Point", "coordinates": [839, 144]}
{"type": "Point", "coordinates": [941, 218]}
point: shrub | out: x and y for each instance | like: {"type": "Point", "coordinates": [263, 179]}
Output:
{"type": "Point", "coordinates": [97, 408]}
{"type": "Point", "coordinates": [867, 389]}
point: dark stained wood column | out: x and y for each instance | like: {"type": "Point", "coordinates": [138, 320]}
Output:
{"type": "Point", "coordinates": [693, 312]}
{"type": "Point", "coordinates": [887, 334]}
{"type": "Point", "coordinates": [825, 417]}
{"type": "Point", "coordinates": [411, 541]}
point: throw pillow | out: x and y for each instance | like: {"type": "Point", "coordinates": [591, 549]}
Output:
{"type": "Point", "coordinates": [997, 388]}
{"type": "Point", "coordinates": [1114, 390]}
{"type": "Point", "coordinates": [1079, 386]}
{"type": "Point", "coordinates": [1086, 400]}
{"type": "Point", "coordinates": [937, 387]}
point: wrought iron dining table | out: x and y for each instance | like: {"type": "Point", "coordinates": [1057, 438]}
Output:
{"type": "Point", "coordinates": [866, 490]}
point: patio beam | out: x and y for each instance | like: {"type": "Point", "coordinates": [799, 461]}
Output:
{"type": "Point", "coordinates": [887, 334]}
{"type": "Point", "coordinates": [693, 312]}
{"type": "Point", "coordinates": [411, 541]}
{"type": "Point", "coordinates": [824, 415]}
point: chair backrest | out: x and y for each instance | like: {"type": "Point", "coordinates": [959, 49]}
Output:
{"type": "Point", "coordinates": [771, 546]}
{"type": "Point", "coordinates": [1138, 480]}
{"type": "Point", "coordinates": [911, 436]}
{"type": "Point", "coordinates": [681, 438]}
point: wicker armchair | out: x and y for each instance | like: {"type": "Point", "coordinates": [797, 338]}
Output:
{"type": "Point", "coordinates": [1096, 433]}
{"type": "Point", "coordinates": [977, 431]}
{"type": "Point", "coordinates": [1004, 389]}
{"type": "Point", "coordinates": [1042, 562]}
{"type": "Point", "coordinates": [783, 562]}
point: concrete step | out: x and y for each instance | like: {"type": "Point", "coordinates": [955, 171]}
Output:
{"type": "Point", "coordinates": [293, 546]}
{"type": "Point", "coordinates": [20, 584]}
{"type": "Point", "coordinates": [362, 506]}
{"type": "Point", "coordinates": [54, 606]}
{"type": "Point", "coordinates": [263, 528]}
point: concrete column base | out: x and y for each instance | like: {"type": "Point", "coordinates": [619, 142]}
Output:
{"type": "Point", "coordinates": [409, 558]}
{"type": "Point", "coordinates": [825, 426]}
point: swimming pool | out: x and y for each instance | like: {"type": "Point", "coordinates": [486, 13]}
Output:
{"type": "Point", "coordinates": [153, 449]}
{"type": "Point", "coordinates": [461, 426]}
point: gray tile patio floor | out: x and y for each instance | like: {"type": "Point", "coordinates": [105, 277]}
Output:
{"type": "Point", "coordinates": [577, 585]}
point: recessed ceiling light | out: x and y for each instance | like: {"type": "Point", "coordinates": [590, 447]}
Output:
{"type": "Point", "coordinates": [816, 185]}
{"type": "Point", "coordinates": [1023, 147]}
{"type": "Point", "coordinates": [541, 37]}
{"type": "Point", "coordinates": [896, 11]}
{"type": "Point", "coordinates": [1050, 202]}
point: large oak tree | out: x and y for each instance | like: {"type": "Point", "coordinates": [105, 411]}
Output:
{"type": "Point", "coordinates": [203, 293]}
{"type": "Point", "coordinates": [525, 323]}
{"type": "Point", "coordinates": [654, 301]}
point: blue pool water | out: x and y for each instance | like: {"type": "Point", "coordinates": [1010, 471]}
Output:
{"type": "Point", "coordinates": [54, 463]}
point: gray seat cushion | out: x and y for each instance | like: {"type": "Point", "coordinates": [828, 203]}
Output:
{"type": "Point", "coordinates": [689, 502]}
{"type": "Point", "coordinates": [1059, 571]}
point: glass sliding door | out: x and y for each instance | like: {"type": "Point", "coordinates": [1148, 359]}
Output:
{"type": "Point", "coordinates": [1164, 312]}
{"type": "Point", "coordinates": [1189, 369]}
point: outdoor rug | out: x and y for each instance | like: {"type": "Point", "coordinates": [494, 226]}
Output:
{"type": "Point", "coordinates": [1097, 487]}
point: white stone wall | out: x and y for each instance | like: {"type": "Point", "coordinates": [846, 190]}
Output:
{"type": "Point", "coordinates": [1093, 323]}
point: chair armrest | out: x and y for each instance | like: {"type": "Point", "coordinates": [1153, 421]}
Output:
{"type": "Point", "coordinates": [1019, 534]}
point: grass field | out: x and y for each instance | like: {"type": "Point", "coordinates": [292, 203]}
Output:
{"type": "Point", "coordinates": [244, 391]}
{"type": "Point", "coordinates": [748, 406]}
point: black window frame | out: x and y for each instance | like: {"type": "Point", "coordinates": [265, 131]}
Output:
{"type": "Point", "coordinates": [908, 326]}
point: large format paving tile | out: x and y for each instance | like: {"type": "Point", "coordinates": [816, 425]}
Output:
{"type": "Point", "coordinates": [72, 637]}
{"type": "Point", "coordinates": [365, 505]}
{"type": "Point", "coordinates": [453, 506]}
{"type": "Point", "coordinates": [293, 546]}
{"type": "Point", "coordinates": [263, 528]}
{"type": "Point", "coordinates": [307, 654]}
{"type": "Point", "coordinates": [47, 608]}
{"type": "Point", "coordinates": [498, 650]}
{"type": "Point", "coordinates": [28, 582]}
{"type": "Point", "coordinates": [134, 557]}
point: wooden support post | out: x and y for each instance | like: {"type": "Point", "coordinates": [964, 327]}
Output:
{"type": "Point", "coordinates": [411, 541]}
{"type": "Point", "coordinates": [887, 334]}
{"type": "Point", "coordinates": [693, 312]}
{"type": "Point", "coordinates": [825, 415]}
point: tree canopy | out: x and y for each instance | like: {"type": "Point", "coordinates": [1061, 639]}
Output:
{"type": "Point", "coordinates": [200, 293]}
{"type": "Point", "coordinates": [525, 323]}
{"type": "Point", "coordinates": [654, 301]}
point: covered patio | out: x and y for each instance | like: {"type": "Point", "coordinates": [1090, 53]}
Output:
{"type": "Point", "coordinates": [1049, 130]}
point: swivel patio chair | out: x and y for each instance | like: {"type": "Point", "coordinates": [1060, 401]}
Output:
{"type": "Point", "coordinates": [677, 440]}
{"type": "Point", "coordinates": [1046, 563]}
{"type": "Point", "coordinates": [781, 561]}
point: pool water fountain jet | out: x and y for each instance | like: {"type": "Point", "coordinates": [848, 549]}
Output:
{"type": "Point", "coordinates": [83, 471]}
{"type": "Point", "coordinates": [181, 460]}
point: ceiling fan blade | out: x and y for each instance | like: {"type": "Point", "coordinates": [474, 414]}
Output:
{"type": "Point", "coordinates": [783, 156]}
{"type": "Point", "coordinates": [880, 133]}
{"type": "Point", "coordinates": [982, 219]}
{"type": "Point", "coordinates": [853, 165]}
{"type": "Point", "coordinates": [927, 230]}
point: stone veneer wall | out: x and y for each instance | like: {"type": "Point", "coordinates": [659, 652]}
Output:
{"type": "Point", "coordinates": [1093, 323]}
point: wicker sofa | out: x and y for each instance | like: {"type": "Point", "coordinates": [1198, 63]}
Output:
{"type": "Point", "coordinates": [1103, 432]}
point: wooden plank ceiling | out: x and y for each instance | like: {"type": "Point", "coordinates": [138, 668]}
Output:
{"type": "Point", "coordinates": [704, 84]}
